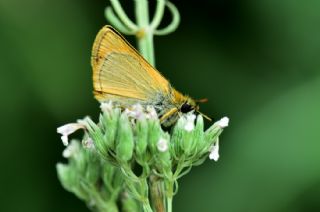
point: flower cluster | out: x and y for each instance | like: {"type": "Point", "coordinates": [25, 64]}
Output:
{"type": "Point", "coordinates": [132, 147]}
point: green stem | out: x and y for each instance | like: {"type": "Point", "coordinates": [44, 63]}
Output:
{"type": "Point", "coordinates": [145, 34]}
{"type": "Point", "coordinates": [174, 23]}
{"type": "Point", "coordinates": [169, 204]}
{"type": "Point", "coordinates": [169, 194]}
{"type": "Point", "coordinates": [146, 207]}
{"type": "Point", "coordinates": [157, 193]}
{"type": "Point", "coordinates": [158, 14]}
{"type": "Point", "coordinates": [122, 15]}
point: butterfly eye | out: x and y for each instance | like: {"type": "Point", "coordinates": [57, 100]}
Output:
{"type": "Point", "coordinates": [185, 108]}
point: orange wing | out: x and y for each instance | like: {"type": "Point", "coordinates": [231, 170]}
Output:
{"type": "Point", "coordinates": [120, 73]}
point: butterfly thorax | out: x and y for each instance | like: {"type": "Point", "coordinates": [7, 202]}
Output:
{"type": "Point", "coordinates": [171, 107]}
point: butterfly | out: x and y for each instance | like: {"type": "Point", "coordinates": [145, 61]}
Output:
{"type": "Point", "coordinates": [123, 76]}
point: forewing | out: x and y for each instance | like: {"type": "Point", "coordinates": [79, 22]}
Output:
{"type": "Point", "coordinates": [119, 72]}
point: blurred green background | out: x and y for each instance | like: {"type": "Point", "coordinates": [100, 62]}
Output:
{"type": "Point", "coordinates": [257, 62]}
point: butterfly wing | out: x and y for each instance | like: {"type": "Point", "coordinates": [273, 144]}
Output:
{"type": "Point", "coordinates": [120, 74]}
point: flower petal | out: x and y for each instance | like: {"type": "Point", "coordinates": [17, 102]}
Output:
{"type": "Point", "coordinates": [214, 152]}
{"type": "Point", "coordinates": [189, 122]}
{"type": "Point", "coordinates": [162, 145]}
{"type": "Point", "coordinates": [68, 129]}
{"type": "Point", "coordinates": [224, 122]}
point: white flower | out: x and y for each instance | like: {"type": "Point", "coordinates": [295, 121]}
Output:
{"type": "Point", "coordinates": [136, 111]}
{"type": "Point", "coordinates": [214, 151]}
{"type": "Point", "coordinates": [88, 143]}
{"type": "Point", "coordinates": [68, 129]}
{"type": "Point", "coordinates": [151, 113]}
{"type": "Point", "coordinates": [71, 149]}
{"type": "Point", "coordinates": [162, 145]}
{"type": "Point", "coordinates": [106, 106]}
{"type": "Point", "coordinates": [189, 126]}
{"type": "Point", "coordinates": [224, 122]}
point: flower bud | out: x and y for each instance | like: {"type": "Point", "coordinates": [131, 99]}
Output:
{"type": "Point", "coordinates": [154, 134]}
{"type": "Point", "coordinates": [163, 154]}
{"type": "Point", "coordinates": [177, 137]}
{"type": "Point", "coordinates": [141, 131]}
{"type": "Point", "coordinates": [109, 121]}
{"type": "Point", "coordinates": [124, 141]}
{"type": "Point", "coordinates": [162, 145]}
{"type": "Point", "coordinates": [212, 134]}
{"type": "Point", "coordinates": [188, 141]}
{"type": "Point", "coordinates": [97, 136]}
{"type": "Point", "coordinates": [198, 135]}
{"type": "Point", "coordinates": [93, 168]}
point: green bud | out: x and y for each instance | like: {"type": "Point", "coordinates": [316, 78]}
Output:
{"type": "Point", "coordinates": [70, 180]}
{"type": "Point", "coordinates": [198, 136]}
{"type": "Point", "coordinates": [93, 170]}
{"type": "Point", "coordinates": [112, 180]}
{"type": "Point", "coordinates": [77, 159]}
{"type": "Point", "coordinates": [109, 121]}
{"type": "Point", "coordinates": [124, 141]}
{"type": "Point", "coordinates": [117, 180]}
{"type": "Point", "coordinates": [98, 138]}
{"type": "Point", "coordinates": [163, 156]}
{"type": "Point", "coordinates": [141, 132]}
{"type": "Point", "coordinates": [65, 175]}
{"type": "Point", "coordinates": [176, 137]}
{"type": "Point", "coordinates": [183, 137]}
{"type": "Point", "coordinates": [213, 132]}
{"type": "Point", "coordinates": [210, 136]}
{"type": "Point", "coordinates": [112, 175]}
{"type": "Point", "coordinates": [130, 204]}
{"type": "Point", "coordinates": [187, 142]}
{"type": "Point", "coordinates": [154, 134]}
{"type": "Point", "coordinates": [108, 171]}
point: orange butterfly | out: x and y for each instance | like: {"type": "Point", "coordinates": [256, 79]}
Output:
{"type": "Point", "coordinates": [123, 76]}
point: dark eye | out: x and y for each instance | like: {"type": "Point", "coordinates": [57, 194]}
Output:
{"type": "Point", "coordinates": [185, 108]}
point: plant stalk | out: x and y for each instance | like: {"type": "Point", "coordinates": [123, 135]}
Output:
{"type": "Point", "coordinates": [144, 35]}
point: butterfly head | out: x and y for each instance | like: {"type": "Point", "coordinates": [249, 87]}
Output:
{"type": "Point", "coordinates": [191, 104]}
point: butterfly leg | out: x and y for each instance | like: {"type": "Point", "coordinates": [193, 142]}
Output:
{"type": "Point", "coordinates": [168, 114]}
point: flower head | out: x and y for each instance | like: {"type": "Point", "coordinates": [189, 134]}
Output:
{"type": "Point", "coordinates": [162, 145]}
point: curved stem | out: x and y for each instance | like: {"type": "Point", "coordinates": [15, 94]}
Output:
{"type": "Point", "coordinates": [158, 14]}
{"type": "Point", "coordinates": [122, 15]}
{"type": "Point", "coordinates": [174, 23]}
{"type": "Point", "coordinates": [115, 21]}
